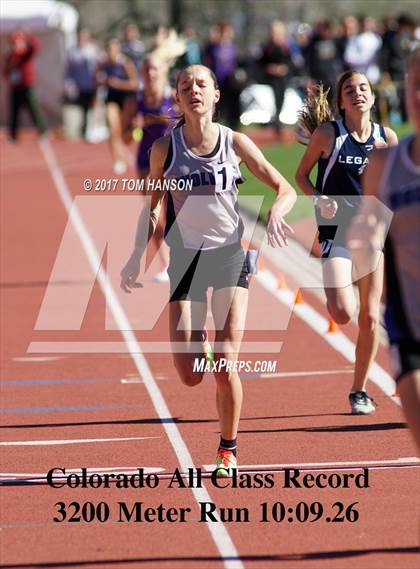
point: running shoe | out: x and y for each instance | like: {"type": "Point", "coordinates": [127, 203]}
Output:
{"type": "Point", "coordinates": [207, 349]}
{"type": "Point", "coordinates": [361, 403]}
{"type": "Point", "coordinates": [119, 167]}
{"type": "Point", "coordinates": [225, 463]}
{"type": "Point", "coordinates": [161, 277]}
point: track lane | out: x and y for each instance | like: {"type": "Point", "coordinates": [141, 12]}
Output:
{"type": "Point", "coordinates": [203, 426]}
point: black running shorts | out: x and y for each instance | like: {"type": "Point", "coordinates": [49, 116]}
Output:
{"type": "Point", "coordinates": [405, 357]}
{"type": "Point", "coordinates": [192, 272]}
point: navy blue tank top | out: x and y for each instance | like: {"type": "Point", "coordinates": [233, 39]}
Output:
{"type": "Point", "coordinates": [340, 173]}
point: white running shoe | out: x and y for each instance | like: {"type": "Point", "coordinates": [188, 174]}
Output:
{"type": "Point", "coordinates": [161, 277]}
{"type": "Point", "coordinates": [361, 403]}
{"type": "Point", "coordinates": [119, 167]}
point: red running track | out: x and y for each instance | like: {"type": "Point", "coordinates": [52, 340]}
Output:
{"type": "Point", "coordinates": [102, 405]}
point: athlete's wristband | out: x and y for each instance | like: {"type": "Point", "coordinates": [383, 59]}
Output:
{"type": "Point", "coordinates": [315, 199]}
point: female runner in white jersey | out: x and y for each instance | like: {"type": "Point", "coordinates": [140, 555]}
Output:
{"type": "Point", "coordinates": [205, 240]}
{"type": "Point", "coordinates": [341, 148]}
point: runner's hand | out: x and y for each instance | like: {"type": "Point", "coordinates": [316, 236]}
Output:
{"type": "Point", "coordinates": [130, 273]}
{"type": "Point", "coordinates": [277, 230]}
{"type": "Point", "coordinates": [328, 207]}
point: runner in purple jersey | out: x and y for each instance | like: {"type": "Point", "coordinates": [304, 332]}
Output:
{"type": "Point", "coordinates": [154, 107]}
{"type": "Point", "coordinates": [154, 111]}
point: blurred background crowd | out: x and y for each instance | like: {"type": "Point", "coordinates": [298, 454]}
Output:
{"type": "Point", "coordinates": [263, 76]}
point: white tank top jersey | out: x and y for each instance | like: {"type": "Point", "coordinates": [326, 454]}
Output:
{"type": "Point", "coordinates": [400, 191]}
{"type": "Point", "coordinates": [207, 215]}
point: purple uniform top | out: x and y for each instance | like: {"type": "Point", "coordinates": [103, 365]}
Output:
{"type": "Point", "coordinates": [156, 120]}
{"type": "Point", "coordinates": [222, 58]}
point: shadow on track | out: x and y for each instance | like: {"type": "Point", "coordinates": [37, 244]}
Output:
{"type": "Point", "coordinates": [333, 429]}
{"type": "Point", "coordinates": [176, 420]}
{"type": "Point", "coordinates": [250, 558]}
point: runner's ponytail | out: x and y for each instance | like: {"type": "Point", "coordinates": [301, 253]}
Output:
{"type": "Point", "coordinates": [316, 110]}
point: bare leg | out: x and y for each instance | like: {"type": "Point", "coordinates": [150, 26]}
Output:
{"type": "Point", "coordinates": [158, 235]}
{"type": "Point", "coordinates": [341, 302]}
{"type": "Point", "coordinates": [128, 112]}
{"type": "Point", "coordinates": [229, 312]}
{"type": "Point", "coordinates": [187, 320]}
{"type": "Point", "coordinates": [113, 115]}
{"type": "Point", "coordinates": [409, 389]}
{"type": "Point", "coordinates": [370, 290]}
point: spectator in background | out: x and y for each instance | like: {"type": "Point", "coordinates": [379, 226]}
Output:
{"type": "Point", "coordinates": [221, 55]}
{"type": "Point", "coordinates": [348, 41]}
{"type": "Point", "coordinates": [193, 54]}
{"type": "Point", "coordinates": [19, 70]}
{"type": "Point", "coordinates": [323, 57]}
{"type": "Point", "coordinates": [80, 81]}
{"type": "Point", "coordinates": [361, 47]}
{"type": "Point", "coordinates": [132, 46]}
{"type": "Point", "coordinates": [371, 43]}
{"type": "Point", "coordinates": [394, 54]}
{"type": "Point", "coordinates": [276, 62]}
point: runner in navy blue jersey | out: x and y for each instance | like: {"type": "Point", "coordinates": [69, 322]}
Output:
{"type": "Point", "coordinates": [341, 148]}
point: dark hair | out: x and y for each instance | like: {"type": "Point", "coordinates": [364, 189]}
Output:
{"type": "Point", "coordinates": [214, 79]}
{"type": "Point", "coordinates": [112, 39]}
{"type": "Point", "coordinates": [406, 20]}
{"type": "Point", "coordinates": [341, 80]}
{"type": "Point", "coordinates": [211, 73]}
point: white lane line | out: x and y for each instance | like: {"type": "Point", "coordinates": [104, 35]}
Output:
{"type": "Point", "coordinates": [406, 461]}
{"type": "Point", "coordinates": [337, 340]}
{"type": "Point", "coordinates": [127, 348]}
{"type": "Point", "coordinates": [283, 374]}
{"type": "Point", "coordinates": [296, 373]}
{"type": "Point", "coordinates": [37, 359]}
{"type": "Point", "coordinates": [217, 530]}
{"type": "Point", "coordinates": [91, 470]}
{"type": "Point", "coordinates": [70, 441]}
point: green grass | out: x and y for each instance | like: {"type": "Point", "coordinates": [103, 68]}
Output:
{"type": "Point", "coordinates": [286, 159]}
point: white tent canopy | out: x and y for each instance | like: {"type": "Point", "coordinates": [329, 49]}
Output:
{"type": "Point", "coordinates": [54, 24]}
{"type": "Point", "coordinates": [37, 16]}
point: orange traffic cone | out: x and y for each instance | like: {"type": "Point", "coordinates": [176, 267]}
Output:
{"type": "Point", "coordinates": [281, 281]}
{"type": "Point", "coordinates": [332, 327]}
{"type": "Point", "coordinates": [298, 298]}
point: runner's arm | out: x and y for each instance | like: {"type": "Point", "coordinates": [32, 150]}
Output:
{"type": "Point", "coordinates": [320, 145]}
{"type": "Point", "coordinates": [367, 233]}
{"type": "Point", "coordinates": [148, 218]}
{"type": "Point", "coordinates": [251, 155]}
{"type": "Point", "coordinates": [391, 136]}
